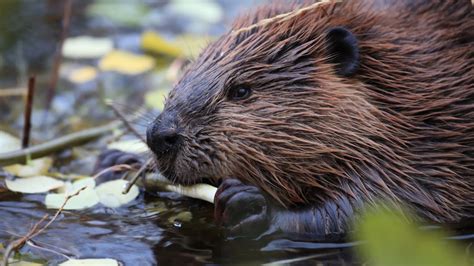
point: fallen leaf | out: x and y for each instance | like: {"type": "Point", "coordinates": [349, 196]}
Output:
{"type": "Point", "coordinates": [86, 198]}
{"type": "Point", "coordinates": [152, 41]}
{"type": "Point", "coordinates": [126, 63]}
{"type": "Point", "coordinates": [186, 45]}
{"type": "Point", "coordinates": [110, 193]}
{"type": "Point", "coordinates": [9, 142]}
{"type": "Point", "coordinates": [32, 168]}
{"type": "Point", "coordinates": [131, 145]}
{"type": "Point", "coordinates": [207, 11]}
{"type": "Point", "coordinates": [83, 74]}
{"type": "Point", "coordinates": [86, 47]}
{"type": "Point", "coordinates": [127, 13]}
{"type": "Point", "coordinates": [37, 184]}
{"type": "Point", "coordinates": [156, 98]}
{"type": "Point", "coordinates": [94, 262]}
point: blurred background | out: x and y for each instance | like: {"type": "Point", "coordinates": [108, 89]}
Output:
{"type": "Point", "coordinates": [83, 52]}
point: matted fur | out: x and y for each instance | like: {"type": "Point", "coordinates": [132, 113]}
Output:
{"type": "Point", "coordinates": [401, 129]}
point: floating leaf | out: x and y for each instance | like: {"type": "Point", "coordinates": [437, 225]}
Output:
{"type": "Point", "coordinates": [9, 142]}
{"type": "Point", "coordinates": [110, 193]}
{"type": "Point", "coordinates": [131, 145]}
{"type": "Point", "coordinates": [391, 241]}
{"type": "Point", "coordinates": [83, 74]}
{"type": "Point", "coordinates": [86, 47]}
{"type": "Point", "coordinates": [207, 11]}
{"type": "Point", "coordinates": [156, 98]}
{"type": "Point", "coordinates": [185, 216]}
{"type": "Point", "coordinates": [185, 45]}
{"type": "Point", "coordinates": [127, 13]}
{"type": "Point", "coordinates": [32, 168]}
{"type": "Point", "coordinates": [126, 63]}
{"type": "Point", "coordinates": [92, 262]}
{"type": "Point", "coordinates": [86, 198]}
{"type": "Point", "coordinates": [152, 41]}
{"type": "Point", "coordinates": [37, 184]}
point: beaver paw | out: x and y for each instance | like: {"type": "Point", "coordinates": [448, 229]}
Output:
{"type": "Point", "coordinates": [113, 157]}
{"type": "Point", "coordinates": [240, 208]}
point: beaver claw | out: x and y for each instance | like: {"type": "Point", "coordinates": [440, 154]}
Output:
{"type": "Point", "coordinates": [115, 157]}
{"type": "Point", "coordinates": [240, 208]}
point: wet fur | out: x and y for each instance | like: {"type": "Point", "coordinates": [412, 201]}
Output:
{"type": "Point", "coordinates": [401, 129]}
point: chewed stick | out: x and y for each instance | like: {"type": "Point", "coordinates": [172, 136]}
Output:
{"type": "Point", "coordinates": [198, 191]}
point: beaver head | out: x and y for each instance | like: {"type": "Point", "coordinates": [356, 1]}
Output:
{"type": "Point", "coordinates": [303, 107]}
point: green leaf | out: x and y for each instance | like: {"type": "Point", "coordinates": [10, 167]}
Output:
{"type": "Point", "coordinates": [390, 241]}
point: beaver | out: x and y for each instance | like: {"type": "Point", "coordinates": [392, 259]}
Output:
{"type": "Point", "coordinates": [312, 115]}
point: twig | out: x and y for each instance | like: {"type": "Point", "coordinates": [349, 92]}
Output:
{"type": "Point", "coordinates": [283, 17]}
{"type": "Point", "coordinates": [136, 176]}
{"type": "Point", "coordinates": [58, 55]}
{"type": "Point", "coordinates": [61, 143]}
{"type": "Point", "coordinates": [117, 167]}
{"type": "Point", "coordinates": [17, 244]}
{"type": "Point", "coordinates": [125, 121]}
{"type": "Point", "coordinates": [28, 109]}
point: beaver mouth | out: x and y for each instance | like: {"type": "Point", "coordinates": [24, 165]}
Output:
{"type": "Point", "coordinates": [180, 178]}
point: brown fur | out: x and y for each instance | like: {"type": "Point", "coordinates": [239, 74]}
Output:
{"type": "Point", "coordinates": [401, 129]}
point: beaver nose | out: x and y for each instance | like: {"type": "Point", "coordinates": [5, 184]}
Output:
{"type": "Point", "coordinates": [163, 134]}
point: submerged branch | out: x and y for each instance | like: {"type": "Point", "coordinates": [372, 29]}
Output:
{"type": "Point", "coordinates": [61, 143]}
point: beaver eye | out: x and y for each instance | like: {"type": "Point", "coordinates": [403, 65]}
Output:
{"type": "Point", "coordinates": [239, 93]}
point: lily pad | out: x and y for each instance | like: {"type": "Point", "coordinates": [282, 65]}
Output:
{"type": "Point", "coordinates": [126, 63]}
{"type": "Point", "coordinates": [86, 198]}
{"type": "Point", "coordinates": [110, 193]}
{"type": "Point", "coordinates": [94, 262]}
{"type": "Point", "coordinates": [86, 47]}
{"type": "Point", "coordinates": [37, 184]}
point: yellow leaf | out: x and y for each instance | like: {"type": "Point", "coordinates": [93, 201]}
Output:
{"type": "Point", "coordinates": [33, 168]}
{"type": "Point", "coordinates": [186, 45]}
{"type": "Point", "coordinates": [156, 98]}
{"type": "Point", "coordinates": [83, 74]}
{"type": "Point", "coordinates": [151, 41]}
{"type": "Point", "coordinates": [126, 63]}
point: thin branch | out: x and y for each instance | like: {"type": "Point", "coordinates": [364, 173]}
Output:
{"type": "Point", "coordinates": [58, 55]}
{"type": "Point", "coordinates": [283, 17]}
{"type": "Point", "coordinates": [28, 109]}
{"type": "Point", "coordinates": [125, 121]}
{"type": "Point", "coordinates": [17, 244]}
{"type": "Point", "coordinates": [61, 143]}
{"type": "Point", "coordinates": [136, 176]}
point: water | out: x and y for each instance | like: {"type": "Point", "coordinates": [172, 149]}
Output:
{"type": "Point", "coordinates": [164, 229]}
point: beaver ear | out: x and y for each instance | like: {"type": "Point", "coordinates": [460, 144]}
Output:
{"type": "Point", "coordinates": [343, 50]}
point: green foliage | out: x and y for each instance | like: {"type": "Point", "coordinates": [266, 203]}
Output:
{"type": "Point", "coordinates": [389, 240]}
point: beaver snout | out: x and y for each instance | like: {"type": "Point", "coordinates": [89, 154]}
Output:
{"type": "Point", "coordinates": [163, 134]}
